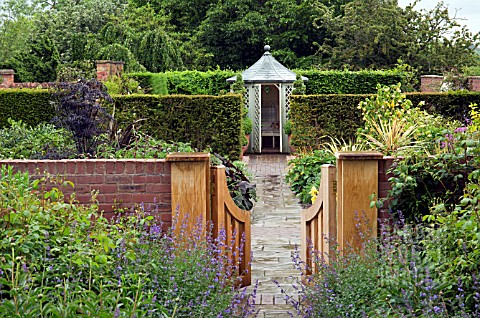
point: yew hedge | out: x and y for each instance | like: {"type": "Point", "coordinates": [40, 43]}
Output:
{"type": "Point", "coordinates": [205, 121]}
{"type": "Point", "coordinates": [315, 116]}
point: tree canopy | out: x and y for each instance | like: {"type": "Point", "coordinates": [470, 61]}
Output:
{"type": "Point", "coordinates": [160, 35]}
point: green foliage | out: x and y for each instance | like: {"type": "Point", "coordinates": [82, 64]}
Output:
{"type": "Point", "coordinates": [122, 85]}
{"type": "Point", "coordinates": [387, 127]}
{"type": "Point", "coordinates": [247, 125]}
{"type": "Point", "coordinates": [454, 105]}
{"type": "Point", "coordinates": [299, 87]}
{"type": "Point", "coordinates": [238, 87]}
{"type": "Point", "coordinates": [409, 271]}
{"type": "Point", "coordinates": [38, 63]}
{"type": "Point", "coordinates": [420, 181]}
{"type": "Point", "coordinates": [20, 141]}
{"type": "Point", "coordinates": [203, 121]}
{"type": "Point", "coordinates": [142, 146]}
{"type": "Point", "coordinates": [207, 122]}
{"type": "Point", "coordinates": [287, 127]}
{"type": "Point", "coordinates": [185, 82]}
{"type": "Point", "coordinates": [75, 71]}
{"type": "Point", "coordinates": [305, 172]}
{"type": "Point", "coordinates": [63, 259]}
{"type": "Point", "coordinates": [31, 106]}
{"type": "Point", "coordinates": [152, 83]}
{"type": "Point", "coordinates": [198, 83]}
{"type": "Point", "coordinates": [349, 82]}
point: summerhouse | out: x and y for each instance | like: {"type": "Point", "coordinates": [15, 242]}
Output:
{"type": "Point", "coordinates": [268, 85]}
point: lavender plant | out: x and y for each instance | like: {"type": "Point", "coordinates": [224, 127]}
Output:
{"type": "Point", "coordinates": [60, 259]}
{"type": "Point", "coordinates": [395, 275]}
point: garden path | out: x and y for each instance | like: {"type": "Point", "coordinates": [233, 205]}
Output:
{"type": "Point", "coordinates": [275, 233]}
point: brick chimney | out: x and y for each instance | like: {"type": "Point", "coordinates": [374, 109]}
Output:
{"type": "Point", "coordinates": [7, 78]}
{"type": "Point", "coordinates": [106, 69]}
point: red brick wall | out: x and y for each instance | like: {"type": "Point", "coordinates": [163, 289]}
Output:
{"type": "Point", "coordinates": [383, 188]}
{"type": "Point", "coordinates": [474, 83]}
{"type": "Point", "coordinates": [122, 183]}
{"type": "Point", "coordinates": [431, 83]}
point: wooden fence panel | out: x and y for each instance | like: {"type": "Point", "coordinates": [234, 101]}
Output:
{"type": "Point", "coordinates": [318, 223]}
{"type": "Point", "coordinates": [235, 222]}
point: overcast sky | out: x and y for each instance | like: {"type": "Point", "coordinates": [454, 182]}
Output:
{"type": "Point", "coordinates": [469, 10]}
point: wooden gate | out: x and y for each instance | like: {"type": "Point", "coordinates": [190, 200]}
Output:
{"type": "Point", "coordinates": [226, 216]}
{"type": "Point", "coordinates": [342, 208]}
{"type": "Point", "coordinates": [319, 221]}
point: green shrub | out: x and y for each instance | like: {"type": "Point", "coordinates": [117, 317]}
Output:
{"type": "Point", "coordinates": [142, 146]}
{"type": "Point", "coordinates": [305, 172]}
{"type": "Point", "coordinates": [122, 85]}
{"type": "Point", "coordinates": [151, 83]}
{"type": "Point", "coordinates": [203, 121]}
{"type": "Point", "coordinates": [20, 141]}
{"type": "Point", "coordinates": [408, 271]}
{"type": "Point", "coordinates": [185, 82]}
{"type": "Point", "coordinates": [315, 116]}
{"type": "Point", "coordinates": [247, 125]}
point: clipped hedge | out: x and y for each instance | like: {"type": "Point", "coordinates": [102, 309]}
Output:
{"type": "Point", "coordinates": [450, 104]}
{"type": "Point", "coordinates": [315, 116]}
{"type": "Point", "coordinates": [204, 121]}
{"type": "Point", "coordinates": [185, 82]}
{"type": "Point", "coordinates": [214, 82]}
{"type": "Point", "coordinates": [347, 82]}
{"type": "Point", "coordinates": [31, 106]}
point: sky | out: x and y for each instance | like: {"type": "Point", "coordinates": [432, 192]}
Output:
{"type": "Point", "coordinates": [468, 10]}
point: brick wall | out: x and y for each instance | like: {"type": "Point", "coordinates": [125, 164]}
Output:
{"type": "Point", "coordinates": [121, 183]}
{"type": "Point", "coordinates": [105, 69]}
{"type": "Point", "coordinates": [430, 83]}
{"type": "Point", "coordinates": [384, 216]}
{"type": "Point", "coordinates": [474, 83]}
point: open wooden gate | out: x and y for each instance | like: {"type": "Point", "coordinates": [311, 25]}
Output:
{"type": "Point", "coordinates": [319, 221]}
{"type": "Point", "coordinates": [226, 216]}
{"type": "Point", "coordinates": [342, 207]}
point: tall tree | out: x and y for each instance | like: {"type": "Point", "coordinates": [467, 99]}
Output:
{"type": "Point", "coordinates": [295, 30]}
{"type": "Point", "coordinates": [437, 42]}
{"type": "Point", "coordinates": [357, 40]}
{"type": "Point", "coordinates": [234, 31]}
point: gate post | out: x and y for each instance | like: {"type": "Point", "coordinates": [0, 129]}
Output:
{"type": "Point", "coordinates": [357, 177]}
{"type": "Point", "coordinates": [190, 189]}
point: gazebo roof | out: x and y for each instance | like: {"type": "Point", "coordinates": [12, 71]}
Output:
{"type": "Point", "coordinates": [267, 70]}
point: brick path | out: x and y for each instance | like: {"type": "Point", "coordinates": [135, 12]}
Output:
{"type": "Point", "coordinates": [275, 232]}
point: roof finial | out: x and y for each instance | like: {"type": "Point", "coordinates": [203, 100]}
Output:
{"type": "Point", "coordinates": [266, 48]}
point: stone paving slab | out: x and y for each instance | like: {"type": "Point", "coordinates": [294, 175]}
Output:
{"type": "Point", "coordinates": [275, 235]}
